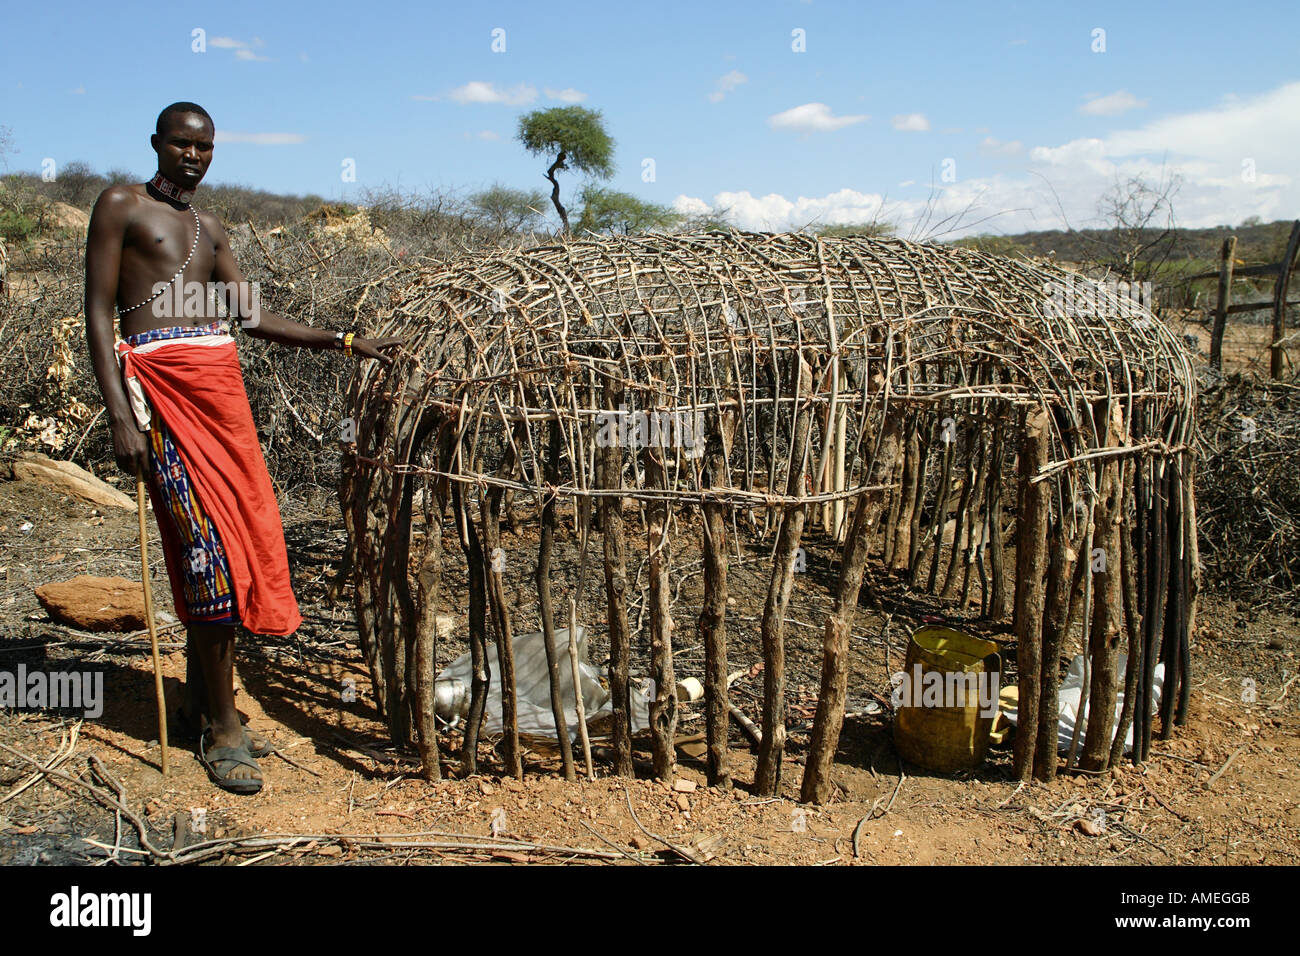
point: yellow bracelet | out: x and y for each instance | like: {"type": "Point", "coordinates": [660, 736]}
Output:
{"type": "Point", "coordinates": [347, 343]}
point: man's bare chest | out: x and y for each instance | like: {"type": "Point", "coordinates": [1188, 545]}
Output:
{"type": "Point", "coordinates": [159, 242]}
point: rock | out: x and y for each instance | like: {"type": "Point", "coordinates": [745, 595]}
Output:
{"type": "Point", "coordinates": [639, 842]}
{"type": "Point", "coordinates": [95, 604]}
{"type": "Point", "coordinates": [684, 786]}
{"type": "Point", "coordinates": [74, 220]}
{"type": "Point", "coordinates": [683, 802]}
{"type": "Point", "coordinates": [1087, 826]}
{"type": "Point", "coordinates": [70, 479]}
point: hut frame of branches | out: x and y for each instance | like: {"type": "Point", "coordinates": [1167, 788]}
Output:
{"type": "Point", "coordinates": [896, 396]}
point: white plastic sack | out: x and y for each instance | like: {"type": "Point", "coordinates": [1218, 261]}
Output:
{"type": "Point", "coordinates": [533, 688]}
{"type": "Point", "coordinates": [1072, 690]}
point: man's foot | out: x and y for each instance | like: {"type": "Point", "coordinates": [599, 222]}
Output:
{"type": "Point", "coordinates": [228, 761]}
{"type": "Point", "coordinates": [258, 746]}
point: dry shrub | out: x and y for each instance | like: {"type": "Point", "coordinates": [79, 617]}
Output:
{"type": "Point", "coordinates": [1248, 489]}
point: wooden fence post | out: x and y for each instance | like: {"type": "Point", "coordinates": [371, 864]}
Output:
{"type": "Point", "coordinates": [1277, 354]}
{"type": "Point", "coordinates": [1226, 262]}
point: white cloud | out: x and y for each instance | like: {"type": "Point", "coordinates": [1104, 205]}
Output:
{"type": "Point", "coordinates": [1212, 149]}
{"type": "Point", "coordinates": [1205, 148]}
{"type": "Point", "coordinates": [488, 135]}
{"type": "Point", "coordinates": [477, 91]}
{"type": "Point", "coordinates": [776, 212]}
{"type": "Point", "coordinates": [79, 91]}
{"type": "Point", "coordinates": [726, 83]}
{"type": "Point", "coordinates": [996, 147]}
{"type": "Point", "coordinates": [911, 122]}
{"type": "Point", "coordinates": [1091, 152]}
{"type": "Point", "coordinates": [1112, 104]}
{"type": "Point", "coordinates": [964, 208]}
{"type": "Point", "coordinates": [566, 95]}
{"type": "Point", "coordinates": [691, 206]}
{"type": "Point", "coordinates": [260, 139]}
{"type": "Point", "coordinates": [812, 118]}
{"type": "Point", "coordinates": [241, 48]}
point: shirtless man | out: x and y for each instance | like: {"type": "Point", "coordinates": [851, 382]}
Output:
{"type": "Point", "coordinates": [140, 235]}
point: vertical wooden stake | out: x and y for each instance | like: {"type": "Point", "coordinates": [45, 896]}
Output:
{"type": "Point", "coordinates": [149, 619]}
{"type": "Point", "coordinates": [841, 432]}
{"type": "Point", "coordinates": [429, 582]}
{"type": "Point", "coordinates": [998, 609]}
{"type": "Point", "coordinates": [580, 704]}
{"type": "Point", "coordinates": [767, 775]}
{"type": "Point", "coordinates": [901, 557]}
{"type": "Point", "coordinates": [1226, 262]}
{"type": "Point", "coordinates": [1063, 554]}
{"type": "Point", "coordinates": [829, 721]}
{"type": "Point", "coordinates": [615, 567]}
{"type": "Point", "coordinates": [1108, 607]}
{"type": "Point", "coordinates": [1132, 620]}
{"type": "Point", "coordinates": [504, 631]}
{"type": "Point", "coordinates": [663, 709]}
{"type": "Point", "coordinates": [1031, 562]}
{"type": "Point", "coordinates": [713, 611]}
{"type": "Point", "coordinates": [543, 579]}
{"type": "Point", "coordinates": [1277, 354]}
{"type": "Point", "coordinates": [477, 631]}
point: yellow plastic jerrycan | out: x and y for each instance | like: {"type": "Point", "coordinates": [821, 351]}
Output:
{"type": "Point", "coordinates": [947, 700]}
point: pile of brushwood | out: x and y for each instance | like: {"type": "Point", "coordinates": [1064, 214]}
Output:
{"type": "Point", "coordinates": [1248, 489]}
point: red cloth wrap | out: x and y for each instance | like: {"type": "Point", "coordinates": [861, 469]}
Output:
{"type": "Point", "coordinates": [198, 390]}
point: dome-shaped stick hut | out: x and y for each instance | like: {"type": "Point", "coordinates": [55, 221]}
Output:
{"type": "Point", "coordinates": [987, 430]}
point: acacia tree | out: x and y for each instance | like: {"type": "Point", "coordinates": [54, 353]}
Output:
{"type": "Point", "coordinates": [576, 137]}
{"type": "Point", "coordinates": [619, 213]}
{"type": "Point", "coordinates": [509, 210]}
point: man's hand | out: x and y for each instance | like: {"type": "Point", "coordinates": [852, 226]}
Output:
{"type": "Point", "coordinates": [374, 348]}
{"type": "Point", "coordinates": [130, 448]}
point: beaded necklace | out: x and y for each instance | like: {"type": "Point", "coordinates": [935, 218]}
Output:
{"type": "Point", "coordinates": [172, 191]}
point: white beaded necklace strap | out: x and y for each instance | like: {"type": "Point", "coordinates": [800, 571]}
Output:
{"type": "Point", "coordinates": [179, 272]}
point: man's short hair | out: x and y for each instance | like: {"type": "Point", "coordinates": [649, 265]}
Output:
{"type": "Point", "coordinates": [181, 107]}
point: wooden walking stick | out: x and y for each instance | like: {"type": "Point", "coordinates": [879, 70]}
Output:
{"type": "Point", "coordinates": [148, 615]}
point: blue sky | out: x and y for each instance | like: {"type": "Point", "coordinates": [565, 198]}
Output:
{"type": "Point", "coordinates": [1012, 112]}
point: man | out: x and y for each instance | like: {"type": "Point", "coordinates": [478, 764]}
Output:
{"type": "Point", "coordinates": [179, 413]}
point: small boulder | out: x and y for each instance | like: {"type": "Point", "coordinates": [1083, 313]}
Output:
{"type": "Point", "coordinates": [95, 604]}
{"type": "Point", "coordinates": [64, 216]}
{"type": "Point", "coordinates": [70, 479]}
